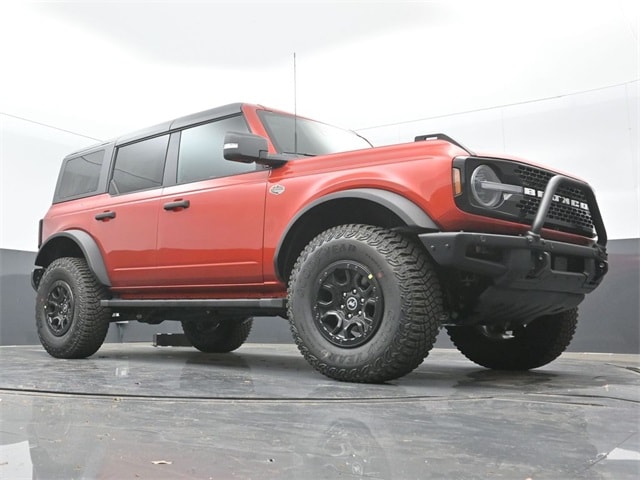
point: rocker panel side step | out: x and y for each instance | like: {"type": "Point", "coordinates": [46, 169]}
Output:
{"type": "Point", "coordinates": [260, 303]}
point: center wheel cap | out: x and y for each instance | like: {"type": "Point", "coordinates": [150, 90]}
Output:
{"type": "Point", "coordinates": [352, 303]}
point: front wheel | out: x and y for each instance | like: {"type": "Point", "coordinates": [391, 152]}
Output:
{"type": "Point", "coordinates": [70, 321]}
{"type": "Point", "coordinates": [523, 348]}
{"type": "Point", "coordinates": [364, 304]}
{"type": "Point", "coordinates": [217, 335]}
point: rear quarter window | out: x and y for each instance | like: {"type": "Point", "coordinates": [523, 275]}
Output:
{"type": "Point", "coordinates": [80, 175]}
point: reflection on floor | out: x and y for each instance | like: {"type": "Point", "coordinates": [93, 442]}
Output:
{"type": "Point", "coordinates": [134, 411]}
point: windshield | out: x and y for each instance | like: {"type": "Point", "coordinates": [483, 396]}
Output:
{"type": "Point", "coordinates": [314, 138]}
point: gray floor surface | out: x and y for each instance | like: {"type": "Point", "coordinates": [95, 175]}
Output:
{"type": "Point", "coordinates": [133, 411]}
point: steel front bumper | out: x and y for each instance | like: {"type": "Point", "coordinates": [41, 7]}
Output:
{"type": "Point", "coordinates": [526, 263]}
{"type": "Point", "coordinates": [529, 262]}
{"type": "Point", "coordinates": [529, 276]}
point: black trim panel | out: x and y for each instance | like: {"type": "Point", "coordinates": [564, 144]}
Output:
{"type": "Point", "coordinates": [442, 136]}
{"type": "Point", "coordinates": [410, 213]}
{"type": "Point", "coordinates": [89, 248]}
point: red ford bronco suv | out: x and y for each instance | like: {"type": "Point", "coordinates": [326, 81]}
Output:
{"type": "Point", "coordinates": [244, 211]}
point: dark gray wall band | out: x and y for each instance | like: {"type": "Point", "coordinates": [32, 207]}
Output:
{"type": "Point", "coordinates": [609, 317]}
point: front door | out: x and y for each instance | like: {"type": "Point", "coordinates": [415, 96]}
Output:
{"type": "Point", "coordinates": [210, 224]}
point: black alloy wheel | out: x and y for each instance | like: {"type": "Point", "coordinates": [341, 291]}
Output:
{"type": "Point", "coordinates": [59, 308]}
{"type": "Point", "coordinates": [348, 305]}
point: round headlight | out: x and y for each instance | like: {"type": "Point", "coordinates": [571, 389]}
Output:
{"type": "Point", "coordinates": [482, 179]}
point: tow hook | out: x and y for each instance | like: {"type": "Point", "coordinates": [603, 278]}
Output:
{"type": "Point", "coordinates": [541, 261]}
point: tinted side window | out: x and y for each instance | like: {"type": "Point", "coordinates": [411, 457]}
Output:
{"type": "Point", "coordinates": [81, 175]}
{"type": "Point", "coordinates": [200, 155]}
{"type": "Point", "coordinates": [139, 166]}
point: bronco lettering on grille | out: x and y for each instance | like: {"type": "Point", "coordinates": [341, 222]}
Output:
{"type": "Point", "coordinates": [532, 192]}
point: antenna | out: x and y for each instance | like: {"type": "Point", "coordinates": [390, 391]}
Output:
{"type": "Point", "coordinates": [295, 107]}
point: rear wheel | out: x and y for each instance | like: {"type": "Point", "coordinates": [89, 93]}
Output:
{"type": "Point", "coordinates": [364, 304]}
{"type": "Point", "coordinates": [523, 348]}
{"type": "Point", "coordinates": [217, 335]}
{"type": "Point", "coordinates": [70, 321]}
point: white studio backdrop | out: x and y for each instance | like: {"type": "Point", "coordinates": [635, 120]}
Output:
{"type": "Point", "coordinates": [30, 159]}
{"type": "Point", "coordinates": [101, 68]}
{"type": "Point", "coordinates": [552, 81]}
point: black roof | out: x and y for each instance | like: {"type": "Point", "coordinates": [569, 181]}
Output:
{"type": "Point", "coordinates": [192, 119]}
{"type": "Point", "coordinates": [175, 124]}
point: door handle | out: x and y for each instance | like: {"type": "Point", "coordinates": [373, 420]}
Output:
{"type": "Point", "coordinates": [177, 205]}
{"type": "Point", "coordinates": [106, 215]}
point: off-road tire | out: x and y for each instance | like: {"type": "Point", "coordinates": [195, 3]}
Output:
{"type": "Point", "coordinates": [217, 335]}
{"type": "Point", "coordinates": [532, 346]}
{"type": "Point", "coordinates": [402, 299]}
{"type": "Point", "coordinates": [70, 321]}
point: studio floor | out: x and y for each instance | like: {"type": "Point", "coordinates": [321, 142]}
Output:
{"type": "Point", "coordinates": [134, 411]}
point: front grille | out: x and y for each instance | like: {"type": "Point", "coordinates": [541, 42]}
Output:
{"type": "Point", "coordinates": [568, 213]}
{"type": "Point", "coordinates": [533, 177]}
{"type": "Point", "coordinates": [560, 215]}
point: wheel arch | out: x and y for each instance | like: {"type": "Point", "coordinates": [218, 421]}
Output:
{"type": "Point", "coordinates": [371, 206]}
{"type": "Point", "coordinates": [74, 243]}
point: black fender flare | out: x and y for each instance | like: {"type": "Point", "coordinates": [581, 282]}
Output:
{"type": "Point", "coordinates": [89, 248]}
{"type": "Point", "coordinates": [410, 213]}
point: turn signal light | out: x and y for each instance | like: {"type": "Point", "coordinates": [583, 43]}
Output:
{"type": "Point", "coordinates": [457, 182]}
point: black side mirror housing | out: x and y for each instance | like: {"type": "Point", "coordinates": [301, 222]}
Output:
{"type": "Point", "coordinates": [249, 148]}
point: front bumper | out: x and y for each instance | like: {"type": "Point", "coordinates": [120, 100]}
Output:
{"type": "Point", "coordinates": [529, 262]}
{"type": "Point", "coordinates": [525, 263]}
{"type": "Point", "coordinates": [528, 276]}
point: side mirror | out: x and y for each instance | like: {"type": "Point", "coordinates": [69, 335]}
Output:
{"type": "Point", "coordinates": [249, 148]}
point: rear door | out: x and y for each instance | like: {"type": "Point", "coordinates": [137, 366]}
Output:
{"type": "Point", "coordinates": [125, 221]}
{"type": "Point", "coordinates": [210, 224]}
